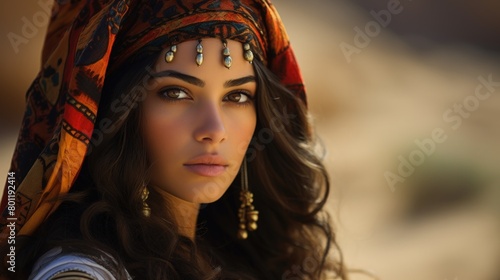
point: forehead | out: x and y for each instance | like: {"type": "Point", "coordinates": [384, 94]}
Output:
{"type": "Point", "coordinates": [212, 68]}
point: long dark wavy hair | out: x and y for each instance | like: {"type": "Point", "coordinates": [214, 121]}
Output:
{"type": "Point", "coordinates": [101, 218]}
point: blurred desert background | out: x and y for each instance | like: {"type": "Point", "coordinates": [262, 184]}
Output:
{"type": "Point", "coordinates": [375, 98]}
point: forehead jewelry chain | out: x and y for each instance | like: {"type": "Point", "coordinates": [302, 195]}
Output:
{"type": "Point", "coordinates": [247, 53]}
{"type": "Point", "coordinates": [227, 60]}
{"type": "Point", "coordinates": [169, 56]}
{"type": "Point", "coordinates": [199, 55]}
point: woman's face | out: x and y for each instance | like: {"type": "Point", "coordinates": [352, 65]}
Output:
{"type": "Point", "coordinates": [199, 120]}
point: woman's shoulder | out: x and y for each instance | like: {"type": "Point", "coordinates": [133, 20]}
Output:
{"type": "Point", "coordinates": [56, 264]}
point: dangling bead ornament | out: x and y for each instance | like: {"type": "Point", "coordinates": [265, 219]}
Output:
{"type": "Point", "coordinates": [169, 56]}
{"type": "Point", "coordinates": [247, 214]}
{"type": "Point", "coordinates": [146, 211]}
{"type": "Point", "coordinates": [227, 60]}
{"type": "Point", "coordinates": [247, 53]}
{"type": "Point", "coordinates": [199, 55]}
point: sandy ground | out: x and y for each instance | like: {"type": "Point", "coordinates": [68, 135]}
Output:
{"type": "Point", "coordinates": [442, 221]}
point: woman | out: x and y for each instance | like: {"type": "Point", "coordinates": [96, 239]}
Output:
{"type": "Point", "coordinates": [168, 140]}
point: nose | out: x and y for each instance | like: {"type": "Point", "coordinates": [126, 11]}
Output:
{"type": "Point", "coordinates": [211, 128]}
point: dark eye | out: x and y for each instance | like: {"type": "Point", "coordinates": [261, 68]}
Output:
{"type": "Point", "coordinates": [173, 93]}
{"type": "Point", "coordinates": [238, 97]}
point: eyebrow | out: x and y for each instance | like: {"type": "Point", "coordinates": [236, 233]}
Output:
{"type": "Point", "coordinates": [187, 78]}
{"type": "Point", "coordinates": [239, 81]}
{"type": "Point", "coordinates": [200, 83]}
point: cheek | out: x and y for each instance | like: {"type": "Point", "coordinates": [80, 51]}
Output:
{"type": "Point", "coordinates": [241, 128]}
{"type": "Point", "coordinates": [163, 135]}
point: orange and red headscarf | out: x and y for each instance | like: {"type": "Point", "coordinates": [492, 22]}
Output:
{"type": "Point", "coordinates": [85, 42]}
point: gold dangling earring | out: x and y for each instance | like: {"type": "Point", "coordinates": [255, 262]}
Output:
{"type": "Point", "coordinates": [247, 214]}
{"type": "Point", "coordinates": [146, 211]}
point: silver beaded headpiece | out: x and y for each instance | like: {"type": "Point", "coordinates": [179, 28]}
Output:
{"type": "Point", "coordinates": [226, 54]}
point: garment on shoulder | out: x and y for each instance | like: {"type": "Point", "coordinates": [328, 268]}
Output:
{"type": "Point", "coordinates": [55, 265]}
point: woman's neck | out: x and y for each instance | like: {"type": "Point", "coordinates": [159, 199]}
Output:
{"type": "Point", "coordinates": [185, 213]}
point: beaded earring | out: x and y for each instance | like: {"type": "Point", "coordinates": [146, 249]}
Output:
{"type": "Point", "coordinates": [246, 213]}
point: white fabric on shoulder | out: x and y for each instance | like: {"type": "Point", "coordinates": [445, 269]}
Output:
{"type": "Point", "coordinates": [54, 262]}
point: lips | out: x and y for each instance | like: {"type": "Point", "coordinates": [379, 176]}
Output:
{"type": "Point", "coordinates": [207, 165]}
{"type": "Point", "coordinates": [207, 170]}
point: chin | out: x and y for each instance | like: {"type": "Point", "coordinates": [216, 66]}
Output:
{"type": "Point", "coordinates": [207, 194]}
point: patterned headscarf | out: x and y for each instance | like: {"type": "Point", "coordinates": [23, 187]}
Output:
{"type": "Point", "coordinates": [86, 41]}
